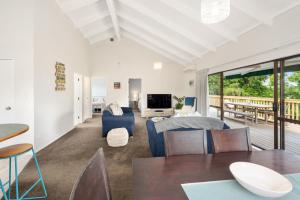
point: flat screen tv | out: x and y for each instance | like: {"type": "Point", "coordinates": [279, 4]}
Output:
{"type": "Point", "coordinates": [159, 101]}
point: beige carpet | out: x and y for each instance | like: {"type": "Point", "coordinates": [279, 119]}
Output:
{"type": "Point", "coordinates": [62, 162]}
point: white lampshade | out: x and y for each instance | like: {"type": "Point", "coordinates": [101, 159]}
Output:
{"type": "Point", "coordinates": [135, 95]}
{"type": "Point", "coordinates": [157, 65]}
{"type": "Point", "coordinates": [214, 11]}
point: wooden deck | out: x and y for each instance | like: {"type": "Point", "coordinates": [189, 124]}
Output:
{"type": "Point", "coordinates": [262, 135]}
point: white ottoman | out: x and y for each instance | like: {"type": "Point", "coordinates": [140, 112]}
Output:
{"type": "Point", "coordinates": [117, 137]}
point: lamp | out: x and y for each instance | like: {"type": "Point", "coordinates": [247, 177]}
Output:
{"type": "Point", "coordinates": [157, 65]}
{"type": "Point", "coordinates": [214, 11]}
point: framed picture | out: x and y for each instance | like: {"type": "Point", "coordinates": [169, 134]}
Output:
{"type": "Point", "coordinates": [117, 85]}
{"type": "Point", "coordinates": [60, 77]}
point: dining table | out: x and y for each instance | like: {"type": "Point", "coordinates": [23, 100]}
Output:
{"type": "Point", "coordinates": [8, 131]}
{"type": "Point", "coordinates": [160, 178]}
{"type": "Point", "coordinates": [253, 106]}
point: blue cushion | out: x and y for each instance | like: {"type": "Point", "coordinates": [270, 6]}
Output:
{"type": "Point", "coordinates": [189, 101]}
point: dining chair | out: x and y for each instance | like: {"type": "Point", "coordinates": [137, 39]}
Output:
{"type": "Point", "coordinates": [229, 140]}
{"type": "Point", "coordinates": [93, 182]}
{"type": "Point", "coordinates": [185, 142]}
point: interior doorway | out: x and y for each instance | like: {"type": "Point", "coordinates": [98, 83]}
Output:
{"type": "Point", "coordinates": [7, 89]}
{"type": "Point", "coordinates": [78, 100]}
{"type": "Point", "coordinates": [87, 103]}
{"type": "Point", "coordinates": [99, 91]}
{"type": "Point", "coordinates": [135, 89]}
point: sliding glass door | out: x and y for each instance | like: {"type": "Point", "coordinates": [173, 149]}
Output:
{"type": "Point", "coordinates": [264, 97]}
{"type": "Point", "coordinates": [249, 101]}
{"type": "Point", "coordinates": [290, 104]}
{"type": "Point", "coordinates": [215, 90]}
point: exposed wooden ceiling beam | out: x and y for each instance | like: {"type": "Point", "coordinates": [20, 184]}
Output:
{"type": "Point", "coordinates": [96, 30]}
{"type": "Point", "coordinates": [188, 11]}
{"type": "Point", "coordinates": [156, 43]}
{"type": "Point", "coordinates": [280, 12]}
{"type": "Point", "coordinates": [69, 6]}
{"type": "Point", "coordinates": [160, 34]}
{"type": "Point", "coordinates": [168, 23]}
{"type": "Point", "coordinates": [100, 37]}
{"type": "Point", "coordinates": [286, 8]}
{"type": "Point", "coordinates": [114, 18]}
{"type": "Point", "coordinates": [91, 19]}
{"type": "Point", "coordinates": [153, 48]}
{"type": "Point", "coordinates": [252, 10]}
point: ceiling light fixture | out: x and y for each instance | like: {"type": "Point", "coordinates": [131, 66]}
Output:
{"type": "Point", "coordinates": [157, 65]}
{"type": "Point", "coordinates": [214, 11]}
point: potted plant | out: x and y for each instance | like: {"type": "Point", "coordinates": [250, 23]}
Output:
{"type": "Point", "coordinates": [180, 101]}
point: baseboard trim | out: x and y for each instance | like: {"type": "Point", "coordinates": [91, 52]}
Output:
{"type": "Point", "coordinates": [54, 140]}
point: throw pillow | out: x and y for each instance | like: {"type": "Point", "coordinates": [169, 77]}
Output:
{"type": "Point", "coordinates": [116, 109]}
{"type": "Point", "coordinates": [186, 108]}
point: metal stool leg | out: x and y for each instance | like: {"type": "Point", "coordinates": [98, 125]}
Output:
{"type": "Point", "coordinates": [40, 174]}
{"type": "Point", "coordinates": [3, 190]}
{"type": "Point", "coordinates": [16, 178]}
{"type": "Point", "coordinates": [17, 192]}
{"type": "Point", "coordinates": [9, 180]}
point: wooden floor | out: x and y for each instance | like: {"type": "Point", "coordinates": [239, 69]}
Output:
{"type": "Point", "coordinates": [262, 135]}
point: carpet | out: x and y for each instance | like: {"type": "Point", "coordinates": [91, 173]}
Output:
{"type": "Point", "coordinates": [62, 161]}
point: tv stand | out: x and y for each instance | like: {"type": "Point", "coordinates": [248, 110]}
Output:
{"type": "Point", "coordinates": [158, 112]}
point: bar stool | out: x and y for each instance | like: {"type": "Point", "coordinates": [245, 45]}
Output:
{"type": "Point", "coordinates": [2, 190]}
{"type": "Point", "coordinates": [12, 152]}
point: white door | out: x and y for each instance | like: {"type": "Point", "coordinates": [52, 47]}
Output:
{"type": "Point", "coordinates": [77, 99]}
{"type": "Point", "coordinates": [7, 91]}
{"type": "Point", "coordinates": [87, 105]}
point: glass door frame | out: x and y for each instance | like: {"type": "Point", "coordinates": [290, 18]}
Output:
{"type": "Point", "coordinates": [279, 117]}
{"type": "Point", "coordinates": [275, 105]}
{"type": "Point", "coordinates": [222, 96]}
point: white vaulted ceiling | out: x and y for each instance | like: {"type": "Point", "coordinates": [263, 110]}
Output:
{"type": "Point", "coordinates": [172, 28]}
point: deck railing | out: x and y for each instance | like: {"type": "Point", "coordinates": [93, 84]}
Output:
{"type": "Point", "coordinates": [292, 106]}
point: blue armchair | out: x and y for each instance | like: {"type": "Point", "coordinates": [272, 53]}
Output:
{"type": "Point", "coordinates": [110, 121]}
{"type": "Point", "coordinates": [191, 101]}
{"type": "Point", "coordinates": [156, 140]}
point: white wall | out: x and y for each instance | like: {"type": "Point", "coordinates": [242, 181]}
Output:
{"type": "Point", "coordinates": [189, 90]}
{"type": "Point", "coordinates": [36, 34]}
{"type": "Point", "coordinates": [119, 62]}
{"type": "Point", "coordinates": [16, 43]}
{"type": "Point", "coordinates": [261, 44]}
{"type": "Point", "coordinates": [16, 19]}
{"type": "Point", "coordinates": [55, 39]}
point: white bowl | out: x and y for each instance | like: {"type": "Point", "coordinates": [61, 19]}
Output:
{"type": "Point", "coordinates": [260, 180]}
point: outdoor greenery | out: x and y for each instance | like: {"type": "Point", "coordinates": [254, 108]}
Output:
{"type": "Point", "coordinates": [293, 86]}
{"type": "Point", "coordinates": [256, 86]}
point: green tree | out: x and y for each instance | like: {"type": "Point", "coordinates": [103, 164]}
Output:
{"type": "Point", "coordinates": [257, 86]}
{"type": "Point", "coordinates": [214, 84]}
{"type": "Point", "coordinates": [292, 85]}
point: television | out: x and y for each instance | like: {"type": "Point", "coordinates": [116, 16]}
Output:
{"type": "Point", "coordinates": [159, 101]}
